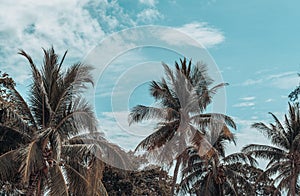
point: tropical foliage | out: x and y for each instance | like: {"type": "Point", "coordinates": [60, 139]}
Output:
{"type": "Point", "coordinates": [183, 96]}
{"type": "Point", "coordinates": [50, 145]}
{"type": "Point", "coordinates": [41, 148]}
{"type": "Point", "coordinates": [284, 153]}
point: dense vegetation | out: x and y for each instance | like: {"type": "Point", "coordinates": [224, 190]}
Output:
{"type": "Point", "coordinates": [51, 145]}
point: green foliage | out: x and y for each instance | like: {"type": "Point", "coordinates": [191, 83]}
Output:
{"type": "Point", "coordinates": [38, 150]}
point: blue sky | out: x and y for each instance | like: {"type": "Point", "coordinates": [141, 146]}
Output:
{"type": "Point", "coordinates": [255, 45]}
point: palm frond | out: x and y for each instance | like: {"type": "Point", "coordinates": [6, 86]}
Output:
{"type": "Point", "coordinates": [56, 144]}
{"type": "Point", "coordinates": [264, 151]}
{"type": "Point", "coordinates": [78, 178]}
{"type": "Point", "coordinates": [12, 120]}
{"type": "Point", "coordinates": [8, 165]}
{"type": "Point", "coordinates": [79, 117]}
{"type": "Point", "coordinates": [163, 134]}
{"type": "Point", "coordinates": [71, 85]}
{"type": "Point", "coordinates": [22, 106]}
{"type": "Point", "coordinates": [277, 137]}
{"type": "Point", "coordinates": [39, 99]}
{"type": "Point", "coordinates": [32, 160]}
{"type": "Point", "coordinates": [103, 150]}
{"type": "Point", "coordinates": [56, 183]}
{"type": "Point", "coordinates": [239, 157]}
{"type": "Point", "coordinates": [161, 91]}
{"type": "Point", "coordinates": [52, 76]}
{"type": "Point", "coordinates": [140, 113]}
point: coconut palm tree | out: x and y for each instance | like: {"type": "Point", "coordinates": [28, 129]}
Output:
{"type": "Point", "coordinates": [47, 154]}
{"type": "Point", "coordinates": [182, 98]}
{"type": "Point", "coordinates": [284, 153]}
{"type": "Point", "coordinates": [216, 175]}
{"type": "Point", "coordinates": [262, 185]}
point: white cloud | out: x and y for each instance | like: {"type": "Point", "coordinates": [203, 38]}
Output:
{"type": "Point", "coordinates": [282, 75]}
{"type": "Point", "coordinates": [284, 96]}
{"type": "Point", "coordinates": [30, 25]}
{"type": "Point", "coordinates": [150, 3]}
{"type": "Point", "coordinates": [269, 100]}
{"type": "Point", "coordinates": [203, 33]}
{"type": "Point", "coordinates": [72, 25]}
{"type": "Point", "coordinates": [244, 104]}
{"type": "Point", "coordinates": [251, 82]}
{"type": "Point", "coordinates": [247, 98]}
{"type": "Point", "coordinates": [149, 15]}
{"type": "Point", "coordinates": [286, 80]}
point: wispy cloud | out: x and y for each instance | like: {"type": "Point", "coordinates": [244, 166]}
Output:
{"type": "Point", "coordinates": [251, 82]}
{"type": "Point", "coordinates": [203, 33]}
{"type": "Point", "coordinates": [31, 25]}
{"type": "Point", "coordinates": [269, 100]}
{"type": "Point", "coordinates": [286, 80]}
{"type": "Point", "coordinates": [282, 75]}
{"type": "Point", "coordinates": [150, 3]}
{"type": "Point", "coordinates": [195, 34]}
{"type": "Point", "coordinates": [72, 25]}
{"type": "Point", "coordinates": [247, 98]}
{"type": "Point", "coordinates": [244, 104]}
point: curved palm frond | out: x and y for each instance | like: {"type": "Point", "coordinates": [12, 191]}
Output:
{"type": "Point", "coordinates": [40, 104]}
{"type": "Point", "coordinates": [264, 151]}
{"type": "Point", "coordinates": [277, 136]}
{"type": "Point", "coordinates": [56, 183]}
{"type": "Point", "coordinates": [107, 152]}
{"type": "Point", "coordinates": [140, 113]}
{"type": "Point", "coordinates": [163, 134]}
{"type": "Point", "coordinates": [31, 159]}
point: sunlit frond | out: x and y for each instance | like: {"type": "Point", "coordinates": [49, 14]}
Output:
{"type": "Point", "coordinates": [264, 151]}
{"type": "Point", "coordinates": [56, 183]}
{"type": "Point", "coordinates": [31, 159]}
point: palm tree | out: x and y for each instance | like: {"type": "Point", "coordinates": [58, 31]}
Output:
{"type": "Point", "coordinates": [183, 98]}
{"type": "Point", "coordinates": [217, 175]}
{"type": "Point", "coordinates": [48, 155]}
{"type": "Point", "coordinates": [262, 185]}
{"type": "Point", "coordinates": [284, 153]}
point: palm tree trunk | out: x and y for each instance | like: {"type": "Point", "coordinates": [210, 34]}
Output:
{"type": "Point", "coordinates": [175, 174]}
{"type": "Point", "coordinates": [293, 185]}
{"type": "Point", "coordinates": [38, 191]}
{"type": "Point", "coordinates": [293, 180]}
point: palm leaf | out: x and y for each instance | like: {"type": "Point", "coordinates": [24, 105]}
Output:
{"type": "Point", "coordinates": [163, 134]}
{"type": "Point", "coordinates": [264, 151]}
{"type": "Point", "coordinates": [8, 166]}
{"type": "Point", "coordinates": [32, 161]}
{"type": "Point", "coordinates": [40, 103]}
{"type": "Point", "coordinates": [57, 184]}
{"type": "Point", "coordinates": [140, 112]}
